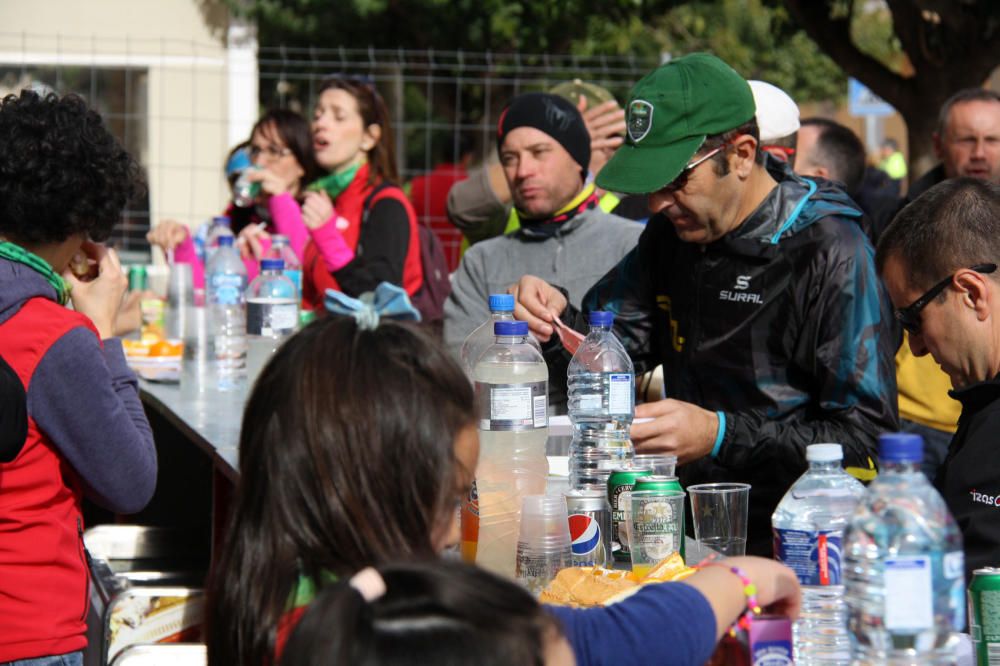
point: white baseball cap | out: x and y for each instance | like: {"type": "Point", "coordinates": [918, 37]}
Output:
{"type": "Point", "coordinates": [777, 113]}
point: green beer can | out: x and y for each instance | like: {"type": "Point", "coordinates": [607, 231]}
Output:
{"type": "Point", "coordinates": [657, 482]}
{"type": "Point", "coordinates": [137, 278]}
{"type": "Point", "coordinates": [620, 485]}
{"type": "Point", "coordinates": [984, 615]}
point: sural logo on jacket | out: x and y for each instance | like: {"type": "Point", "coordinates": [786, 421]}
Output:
{"type": "Point", "coordinates": [741, 295]}
{"type": "Point", "coordinates": [983, 498]}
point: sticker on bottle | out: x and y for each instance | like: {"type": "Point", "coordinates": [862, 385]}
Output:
{"type": "Point", "coordinates": [621, 393]}
{"type": "Point", "coordinates": [814, 555]}
{"type": "Point", "coordinates": [909, 595]}
{"type": "Point", "coordinates": [271, 319]}
{"type": "Point", "coordinates": [512, 407]}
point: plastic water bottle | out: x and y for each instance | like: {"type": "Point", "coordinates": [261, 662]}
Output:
{"type": "Point", "coordinates": [281, 248]}
{"type": "Point", "coordinates": [512, 391]}
{"type": "Point", "coordinates": [481, 339]}
{"type": "Point", "coordinates": [226, 283]}
{"type": "Point", "coordinates": [904, 567]}
{"type": "Point", "coordinates": [272, 314]}
{"type": "Point", "coordinates": [601, 382]}
{"type": "Point", "coordinates": [221, 228]}
{"type": "Point", "coordinates": [809, 526]}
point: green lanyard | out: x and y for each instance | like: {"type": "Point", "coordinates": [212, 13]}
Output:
{"type": "Point", "coordinates": [18, 254]}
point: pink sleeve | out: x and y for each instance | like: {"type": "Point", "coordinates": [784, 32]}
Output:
{"type": "Point", "coordinates": [287, 218]}
{"type": "Point", "coordinates": [331, 245]}
{"type": "Point", "coordinates": [185, 253]}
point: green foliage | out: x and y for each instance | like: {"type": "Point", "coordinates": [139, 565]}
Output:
{"type": "Point", "coordinates": [756, 37]}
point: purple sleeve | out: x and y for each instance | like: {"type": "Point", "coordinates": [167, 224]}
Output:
{"type": "Point", "coordinates": [287, 218]}
{"type": "Point", "coordinates": [87, 401]}
{"type": "Point", "coordinates": [670, 624]}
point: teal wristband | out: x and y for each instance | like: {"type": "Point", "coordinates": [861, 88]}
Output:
{"type": "Point", "coordinates": [721, 434]}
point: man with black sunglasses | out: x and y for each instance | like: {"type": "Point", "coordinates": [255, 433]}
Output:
{"type": "Point", "coordinates": [939, 261]}
{"type": "Point", "coordinates": [755, 288]}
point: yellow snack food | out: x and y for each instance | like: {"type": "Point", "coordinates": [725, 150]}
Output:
{"type": "Point", "coordinates": [594, 586]}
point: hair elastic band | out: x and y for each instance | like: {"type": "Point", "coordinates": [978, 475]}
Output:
{"type": "Point", "coordinates": [387, 301]}
{"type": "Point", "coordinates": [368, 583]}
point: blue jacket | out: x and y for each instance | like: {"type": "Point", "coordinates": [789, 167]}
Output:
{"type": "Point", "coordinates": [782, 326]}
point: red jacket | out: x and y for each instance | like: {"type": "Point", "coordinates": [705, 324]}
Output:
{"type": "Point", "coordinates": [44, 578]}
{"type": "Point", "coordinates": [316, 279]}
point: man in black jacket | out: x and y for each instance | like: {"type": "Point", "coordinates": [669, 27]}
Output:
{"type": "Point", "coordinates": [13, 413]}
{"type": "Point", "coordinates": [939, 261]}
{"type": "Point", "coordinates": [755, 288]}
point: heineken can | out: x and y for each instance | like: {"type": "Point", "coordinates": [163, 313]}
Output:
{"type": "Point", "coordinates": [620, 485]}
{"type": "Point", "coordinates": [137, 278]}
{"type": "Point", "coordinates": [984, 615]}
{"type": "Point", "coordinates": [656, 482]}
{"type": "Point", "coordinates": [589, 527]}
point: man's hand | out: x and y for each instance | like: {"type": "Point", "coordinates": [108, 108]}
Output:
{"type": "Point", "coordinates": [100, 298]}
{"type": "Point", "coordinates": [167, 234]}
{"type": "Point", "coordinates": [316, 209]}
{"type": "Point", "coordinates": [538, 303]}
{"type": "Point", "coordinates": [679, 428]}
{"type": "Point", "coordinates": [606, 125]}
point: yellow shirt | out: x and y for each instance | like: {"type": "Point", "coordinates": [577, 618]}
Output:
{"type": "Point", "coordinates": [923, 391]}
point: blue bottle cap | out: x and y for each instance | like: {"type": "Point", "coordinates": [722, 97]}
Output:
{"type": "Point", "coordinates": [221, 219]}
{"type": "Point", "coordinates": [900, 447]}
{"type": "Point", "coordinates": [601, 318]}
{"type": "Point", "coordinates": [272, 264]}
{"type": "Point", "coordinates": [510, 328]}
{"type": "Point", "coordinates": [226, 241]}
{"type": "Point", "coordinates": [501, 303]}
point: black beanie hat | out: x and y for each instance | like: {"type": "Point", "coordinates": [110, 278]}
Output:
{"type": "Point", "coordinates": [553, 115]}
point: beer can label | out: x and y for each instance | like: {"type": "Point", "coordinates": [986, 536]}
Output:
{"type": "Point", "coordinates": [656, 528]}
{"type": "Point", "coordinates": [814, 555]}
{"type": "Point", "coordinates": [512, 407]}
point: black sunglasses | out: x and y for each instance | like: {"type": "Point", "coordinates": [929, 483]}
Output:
{"type": "Point", "coordinates": [909, 316]}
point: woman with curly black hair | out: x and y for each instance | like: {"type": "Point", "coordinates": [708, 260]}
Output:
{"type": "Point", "coordinates": [64, 181]}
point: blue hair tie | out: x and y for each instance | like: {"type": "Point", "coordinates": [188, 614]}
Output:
{"type": "Point", "coordinates": [388, 301]}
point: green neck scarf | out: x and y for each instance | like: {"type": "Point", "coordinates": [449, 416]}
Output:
{"type": "Point", "coordinates": [18, 254]}
{"type": "Point", "coordinates": [335, 183]}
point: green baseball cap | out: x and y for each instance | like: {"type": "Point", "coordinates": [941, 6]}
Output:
{"type": "Point", "coordinates": [669, 114]}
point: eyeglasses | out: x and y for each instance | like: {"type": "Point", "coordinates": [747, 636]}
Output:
{"type": "Point", "coordinates": [271, 151]}
{"type": "Point", "coordinates": [909, 316]}
{"type": "Point", "coordinates": [681, 180]}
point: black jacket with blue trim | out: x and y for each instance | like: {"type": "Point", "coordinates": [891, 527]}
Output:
{"type": "Point", "coordinates": [782, 326]}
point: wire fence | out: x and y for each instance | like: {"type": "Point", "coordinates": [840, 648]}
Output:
{"type": "Point", "coordinates": [443, 108]}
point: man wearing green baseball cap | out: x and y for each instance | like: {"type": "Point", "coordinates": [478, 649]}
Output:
{"type": "Point", "coordinates": [755, 288]}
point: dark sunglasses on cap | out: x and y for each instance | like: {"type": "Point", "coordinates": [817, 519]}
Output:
{"type": "Point", "coordinates": [909, 316]}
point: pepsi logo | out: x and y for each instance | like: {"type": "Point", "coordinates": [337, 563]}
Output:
{"type": "Point", "coordinates": [585, 533]}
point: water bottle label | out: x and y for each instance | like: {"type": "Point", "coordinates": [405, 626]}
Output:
{"type": "Point", "coordinates": [814, 556]}
{"type": "Point", "coordinates": [271, 319]}
{"type": "Point", "coordinates": [591, 402]}
{"type": "Point", "coordinates": [295, 275]}
{"type": "Point", "coordinates": [227, 288]}
{"type": "Point", "coordinates": [909, 594]}
{"type": "Point", "coordinates": [512, 407]}
{"type": "Point", "coordinates": [621, 393]}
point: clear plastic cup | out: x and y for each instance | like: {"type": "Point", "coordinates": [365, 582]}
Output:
{"type": "Point", "coordinates": [657, 527]}
{"type": "Point", "coordinates": [543, 544]}
{"type": "Point", "coordinates": [719, 512]}
{"type": "Point", "coordinates": [662, 464]}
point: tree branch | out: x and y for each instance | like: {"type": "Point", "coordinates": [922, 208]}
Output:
{"type": "Point", "coordinates": [834, 37]}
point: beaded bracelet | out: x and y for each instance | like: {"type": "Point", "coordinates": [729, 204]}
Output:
{"type": "Point", "coordinates": [749, 589]}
